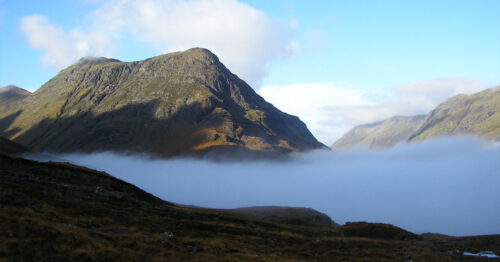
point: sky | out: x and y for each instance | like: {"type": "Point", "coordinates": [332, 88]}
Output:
{"type": "Point", "coordinates": [335, 64]}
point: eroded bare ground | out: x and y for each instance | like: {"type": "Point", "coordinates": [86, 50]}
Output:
{"type": "Point", "coordinates": [61, 212]}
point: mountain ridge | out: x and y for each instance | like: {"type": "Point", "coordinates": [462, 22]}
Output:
{"type": "Point", "coordinates": [168, 105]}
{"type": "Point", "coordinates": [474, 114]}
{"type": "Point", "coordinates": [380, 135]}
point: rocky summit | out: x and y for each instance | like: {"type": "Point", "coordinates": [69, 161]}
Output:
{"type": "Point", "coordinates": [179, 103]}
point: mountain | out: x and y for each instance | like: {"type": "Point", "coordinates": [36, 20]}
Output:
{"type": "Point", "coordinates": [10, 96]}
{"type": "Point", "coordinates": [476, 114]}
{"type": "Point", "coordinates": [178, 103]}
{"type": "Point", "coordinates": [380, 135]}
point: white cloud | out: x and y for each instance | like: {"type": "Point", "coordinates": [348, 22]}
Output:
{"type": "Point", "coordinates": [330, 110]}
{"type": "Point", "coordinates": [62, 48]}
{"type": "Point", "coordinates": [317, 105]}
{"type": "Point", "coordinates": [245, 39]}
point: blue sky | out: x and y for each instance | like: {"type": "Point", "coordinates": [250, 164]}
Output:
{"type": "Point", "coordinates": [347, 62]}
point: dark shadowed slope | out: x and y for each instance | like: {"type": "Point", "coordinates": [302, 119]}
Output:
{"type": "Point", "coordinates": [10, 96]}
{"type": "Point", "coordinates": [476, 114]}
{"type": "Point", "coordinates": [8, 147]}
{"type": "Point", "coordinates": [380, 135]}
{"type": "Point", "coordinates": [284, 215]}
{"type": "Point", "coordinates": [173, 104]}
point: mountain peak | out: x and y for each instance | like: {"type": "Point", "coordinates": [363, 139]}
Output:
{"type": "Point", "coordinates": [14, 88]}
{"type": "Point", "coordinates": [90, 60]}
{"type": "Point", "coordinates": [178, 103]}
{"type": "Point", "coordinates": [10, 96]}
{"type": "Point", "coordinates": [191, 56]}
{"type": "Point", "coordinates": [200, 50]}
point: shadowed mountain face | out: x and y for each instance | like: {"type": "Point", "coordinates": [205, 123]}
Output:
{"type": "Point", "coordinates": [8, 147]}
{"type": "Point", "coordinates": [380, 135]}
{"type": "Point", "coordinates": [476, 114]}
{"type": "Point", "coordinates": [10, 96]}
{"type": "Point", "coordinates": [168, 105]}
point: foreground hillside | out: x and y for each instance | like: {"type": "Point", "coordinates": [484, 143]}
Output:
{"type": "Point", "coordinates": [61, 212]}
{"type": "Point", "coordinates": [179, 103]}
{"type": "Point", "coordinates": [477, 114]}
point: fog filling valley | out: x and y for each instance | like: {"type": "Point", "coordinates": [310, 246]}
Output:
{"type": "Point", "coordinates": [449, 186]}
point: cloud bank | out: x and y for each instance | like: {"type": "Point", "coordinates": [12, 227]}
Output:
{"type": "Point", "coordinates": [244, 38]}
{"type": "Point", "coordinates": [447, 186]}
{"type": "Point", "coordinates": [331, 109]}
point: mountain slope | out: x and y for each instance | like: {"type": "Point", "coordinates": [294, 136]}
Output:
{"type": "Point", "coordinates": [380, 135]}
{"type": "Point", "coordinates": [476, 114]}
{"type": "Point", "coordinates": [8, 147]}
{"type": "Point", "coordinates": [173, 104]}
{"type": "Point", "coordinates": [10, 96]}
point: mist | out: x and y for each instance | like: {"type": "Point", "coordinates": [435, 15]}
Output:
{"type": "Point", "coordinates": [449, 186]}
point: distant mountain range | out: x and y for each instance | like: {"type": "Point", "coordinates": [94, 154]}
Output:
{"type": "Point", "coordinates": [380, 135]}
{"type": "Point", "coordinates": [174, 104]}
{"type": "Point", "coordinates": [476, 114]}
